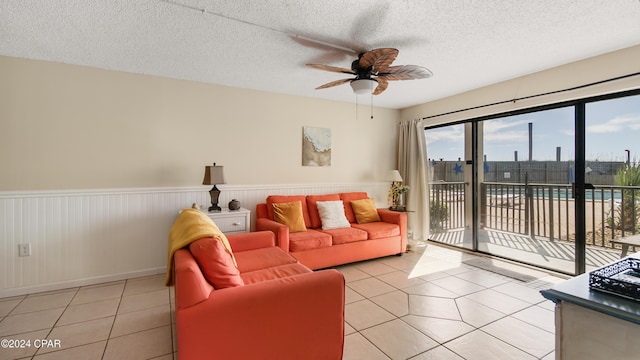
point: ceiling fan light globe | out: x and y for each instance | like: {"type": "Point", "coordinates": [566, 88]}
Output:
{"type": "Point", "coordinates": [363, 86]}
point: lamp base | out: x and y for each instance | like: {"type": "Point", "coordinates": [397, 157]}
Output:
{"type": "Point", "coordinates": [215, 194]}
{"type": "Point", "coordinates": [399, 208]}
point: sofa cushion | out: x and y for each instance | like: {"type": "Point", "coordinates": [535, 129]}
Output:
{"type": "Point", "coordinates": [275, 272]}
{"type": "Point", "coordinates": [332, 215]}
{"type": "Point", "coordinates": [274, 199]}
{"type": "Point", "coordinates": [314, 215]}
{"type": "Point", "coordinates": [365, 211]}
{"type": "Point", "coordinates": [346, 235]}
{"type": "Point", "coordinates": [347, 198]}
{"type": "Point", "coordinates": [308, 240]}
{"type": "Point", "coordinates": [216, 263]}
{"type": "Point", "coordinates": [290, 214]}
{"type": "Point", "coordinates": [263, 258]}
{"type": "Point", "coordinates": [378, 230]}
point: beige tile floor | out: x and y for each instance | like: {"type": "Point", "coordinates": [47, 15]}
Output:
{"type": "Point", "coordinates": [426, 304]}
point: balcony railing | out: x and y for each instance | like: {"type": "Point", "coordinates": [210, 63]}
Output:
{"type": "Point", "coordinates": [540, 210]}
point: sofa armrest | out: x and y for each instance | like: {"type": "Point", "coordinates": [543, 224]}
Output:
{"type": "Point", "coordinates": [393, 217]}
{"type": "Point", "coordinates": [281, 231]}
{"type": "Point", "coordinates": [251, 240]}
{"type": "Point", "coordinates": [194, 288]}
{"type": "Point", "coordinates": [297, 317]}
{"type": "Point", "coordinates": [398, 218]}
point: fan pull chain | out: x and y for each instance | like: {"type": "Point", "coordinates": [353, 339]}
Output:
{"type": "Point", "coordinates": [371, 105]}
{"type": "Point", "coordinates": [358, 106]}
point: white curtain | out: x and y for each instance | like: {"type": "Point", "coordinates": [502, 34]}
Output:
{"type": "Point", "coordinates": [414, 169]}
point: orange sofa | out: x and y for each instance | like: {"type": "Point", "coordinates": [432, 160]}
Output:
{"type": "Point", "coordinates": [317, 248]}
{"type": "Point", "coordinates": [276, 309]}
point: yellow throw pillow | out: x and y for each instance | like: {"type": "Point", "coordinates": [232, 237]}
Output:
{"type": "Point", "coordinates": [365, 210]}
{"type": "Point", "coordinates": [290, 214]}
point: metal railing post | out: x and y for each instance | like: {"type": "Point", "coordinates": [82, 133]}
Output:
{"type": "Point", "coordinates": [551, 214]}
{"type": "Point", "coordinates": [527, 199]}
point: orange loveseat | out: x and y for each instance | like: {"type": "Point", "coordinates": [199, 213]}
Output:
{"type": "Point", "coordinates": [268, 306]}
{"type": "Point", "coordinates": [319, 248]}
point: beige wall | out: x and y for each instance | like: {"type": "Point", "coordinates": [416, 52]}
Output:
{"type": "Point", "coordinates": [603, 67]}
{"type": "Point", "coordinates": [86, 128]}
{"type": "Point", "coordinates": [72, 127]}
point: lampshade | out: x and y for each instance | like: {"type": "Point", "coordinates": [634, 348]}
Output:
{"type": "Point", "coordinates": [213, 175]}
{"type": "Point", "coordinates": [363, 86]}
{"type": "Point", "coordinates": [394, 175]}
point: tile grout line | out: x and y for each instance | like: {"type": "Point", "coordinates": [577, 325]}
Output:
{"type": "Point", "coordinates": [57, 320]}
{"type": "Point", "coordinates": [173, 335]}
{"type": "Point", "coordinates": [115, 316]}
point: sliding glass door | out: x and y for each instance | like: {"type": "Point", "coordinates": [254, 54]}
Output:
{"type": "Point", "coordinates": [526, 209]}
{"type": "Point", "coordinates": [449, 193]}
{"type": "Point", "coordinates": [612, 204]}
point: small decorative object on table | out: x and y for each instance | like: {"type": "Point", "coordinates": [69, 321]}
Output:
{"type": "Point", "coordinates": [234, 204]}
{"type": "Point", "coordinates": [621, 278]}
{"type": "Point", "coordinates": [396, 191]}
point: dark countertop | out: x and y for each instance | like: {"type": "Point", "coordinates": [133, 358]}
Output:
{"type": "Point", "coordinates": [577, 291]}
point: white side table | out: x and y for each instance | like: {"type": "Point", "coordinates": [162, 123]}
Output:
{"type": "Point", "coordinates": [231, 221]}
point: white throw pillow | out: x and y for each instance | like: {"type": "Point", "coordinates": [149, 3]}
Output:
{"type": "Point", "coordinates": [332, 215]}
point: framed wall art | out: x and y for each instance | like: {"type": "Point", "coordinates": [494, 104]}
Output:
{"type": "Point", "coordinates": [316, 146]}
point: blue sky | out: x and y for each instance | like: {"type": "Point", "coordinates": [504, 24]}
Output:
{"type": "Point", "coordinates": [613, 126]}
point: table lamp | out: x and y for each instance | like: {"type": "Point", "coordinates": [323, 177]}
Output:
{"type": "Point", "coordinates": [396, 190]}
{"type": "Point", "coordinates": [213, 175]}
{"type": "Point", "coordinates": [394, 176]}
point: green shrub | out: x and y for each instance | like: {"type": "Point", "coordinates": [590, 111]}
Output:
{"type": "Point", "coordinates": [438, 214]}
{"type": "Point", "coordinates": [627, 216]}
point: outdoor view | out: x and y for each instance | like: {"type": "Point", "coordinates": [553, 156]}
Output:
{"type": "Point", "coordinates": [526, 205]}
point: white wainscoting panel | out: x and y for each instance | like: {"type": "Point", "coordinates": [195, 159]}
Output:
{"type": "Point", "coordinates": [90, 236]}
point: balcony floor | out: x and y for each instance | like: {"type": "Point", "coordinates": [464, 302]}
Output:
{"type": "Point", "coordinates": [541, 252]}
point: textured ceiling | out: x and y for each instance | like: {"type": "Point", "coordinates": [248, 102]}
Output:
{"type": "Point", "coordinates": [253, 44]}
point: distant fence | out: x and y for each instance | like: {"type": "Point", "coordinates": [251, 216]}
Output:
{"type": "Point", "coordinates": [547, 172]}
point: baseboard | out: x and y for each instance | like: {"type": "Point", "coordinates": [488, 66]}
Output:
{"type": "Point", "coordinates": [80, 282]}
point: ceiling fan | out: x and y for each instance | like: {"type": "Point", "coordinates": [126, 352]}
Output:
{"type": "Point", "coordinates": [374, 68]}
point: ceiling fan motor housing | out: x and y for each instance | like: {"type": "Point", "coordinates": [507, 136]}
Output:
{"type": "Point", "coordinates": [360, 72]}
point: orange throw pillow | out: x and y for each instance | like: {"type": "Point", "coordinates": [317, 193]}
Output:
{"type": "Point", "coordinates": [365, 211]}
{"type": "Point", "coordinates": [347, 198]}
{"type": "Point", "coordinates": [216, 263]}
{"type": "Point", "coordinates": [290, 214]}
{"type": "Point", "coordinates": [274, 199]}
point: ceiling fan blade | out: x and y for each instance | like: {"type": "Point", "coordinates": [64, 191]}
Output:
{"type": "Point", "coordinates": [334, 83]}
{"type": "Point", "coordinates": [406, 72]}
{"type": "Point", "coordinates": [382, 86]}
{"type": "Point", "coordinates": [379, 59]}
{"type": "Point", "coordinates": [331, 68]}
{"type": "Point", "coordinates": [323, 44]}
